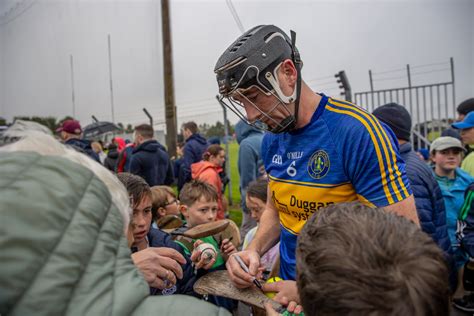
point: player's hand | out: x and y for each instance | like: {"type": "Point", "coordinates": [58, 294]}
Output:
{"type": "Point", "coordinates": [286, 292]}
{"type": "Point", "coordinates": [227, 248]}
{"type": "Point", "coordinates": [159, 266]}
{"type": "Point", "coordinates": [201, 262]}
{"type": "Point", "coordinates": [238, 276]}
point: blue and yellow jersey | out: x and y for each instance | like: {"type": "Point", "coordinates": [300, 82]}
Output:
{"type": "Point", "coordinates": [344, 154]}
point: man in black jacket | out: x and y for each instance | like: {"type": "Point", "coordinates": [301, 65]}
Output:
{"type": "Point", "coordinates": [150, 159]}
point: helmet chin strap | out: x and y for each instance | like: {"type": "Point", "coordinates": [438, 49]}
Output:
{"type": "Point", "coordinates": [290, 121]}
{"type": "Point", "coordinates": [297, 61]}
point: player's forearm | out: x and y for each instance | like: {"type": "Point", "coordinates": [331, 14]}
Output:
{"type": "Point", "coordinates": [268, 233]}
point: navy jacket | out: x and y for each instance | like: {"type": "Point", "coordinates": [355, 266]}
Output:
{"type": "Point", "coordinates": [193, 150]}
{"type": "Point", "coordinates": [158, 238]}
{"type": "Point", "coordinates": [250, 158]}
{"type": "Point", "coordinates": [151, 162]}
{"type": "Point", "coordinates": [428, 198]}
{"type": "Point", "coordinates": [83, 146]}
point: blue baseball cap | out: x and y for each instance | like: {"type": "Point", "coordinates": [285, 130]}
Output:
{"type": "Point", "coordinates": [468, 122]}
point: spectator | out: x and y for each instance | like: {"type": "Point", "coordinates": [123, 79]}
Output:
{"type": "Point", "coordinates": [70, 133]}
{"type": "Point", "coordinates": [464, 108]}
{"type": "Point", "coordinates": [150, 159]}
{"type": "Point", "coordinates": [467, 134]}
{"type": "Point", "coordinates": [177, 274]}
{"type": "Point", "coordinates": [256, 198]}
{"type": "Point", "coordinates": [64, 249]}
{"type": "Point", "coordinates": [446, 154]}
{"type": "Point", "coordinates": [112, 157]}
{"type": "Point", "coordinates": [465, 235]}
{"type": "Point", "coordinates": [164, 202]}
{"type": "Point", "coordinates": [356, 260]}
{"type": "Point", "coordinates": [208, 169]}
{"type": "Point", "coordinates": [250, 160]}
{"type": "Point", "coordinates": [194, 147]}
{"type": "Point", "coordinates": [428, 197]}
{"type": "Point", "coordinates": [97, 148]}
{"type": "Point", "coordinates": [124, 158]}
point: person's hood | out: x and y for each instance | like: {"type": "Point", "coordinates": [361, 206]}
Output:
{"type": "Point", "coordinates": [151, 146]}
{"type": "Point", "coordinates": [199, 167]}
{"type": "Point", "coordinates": [243, 130]}
{"type": "Point", "coordinates": [120, 143]}
{"type": "Point", "coordinates": [80, 143]}
{"type": "Point", "coordinates": [198, 138]}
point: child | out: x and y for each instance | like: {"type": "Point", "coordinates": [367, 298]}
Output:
{"type": "Point", "coordinates": [465, 235]}
{"type": "Point", "coordinates": [208, 170]}
{"type": "Point", "coordinates": [199, 206]}
{"type": "Point", "coordinates": [164, 202]}
{"type": "Point", "coordinates": [255, 200]}
{"type": "Point", "coordinates": [142, 236]}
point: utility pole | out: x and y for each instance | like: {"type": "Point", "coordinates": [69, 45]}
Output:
{"type": "Point", "coordinates": [71, 61]}
{"type": "Point", "coordinates": [110, 79]}
{"type": "Point", "coordinates": [170, 108]}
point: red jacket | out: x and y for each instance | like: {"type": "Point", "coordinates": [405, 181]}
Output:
{"type": "Point", "coordinates": [209, 173]}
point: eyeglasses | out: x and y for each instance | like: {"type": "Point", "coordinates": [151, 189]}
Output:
{"type": "Point", "coordinates": [175, 201]}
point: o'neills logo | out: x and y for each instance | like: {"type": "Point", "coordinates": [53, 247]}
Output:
{"type": "Point", "coordinates": [318, 164]}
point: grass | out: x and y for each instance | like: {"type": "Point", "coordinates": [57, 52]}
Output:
{"type": "Point", "coordinates": [235, 211]}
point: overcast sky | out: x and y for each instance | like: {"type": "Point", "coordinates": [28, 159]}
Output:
{"type": "Point", "coordinates": [38, 38]}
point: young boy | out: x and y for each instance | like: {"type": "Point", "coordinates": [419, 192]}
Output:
{"type": "Point", "coordinates": [198, 204]}
{"type": "Point", "coordinates": [164, 202]}
{"type": "Point", "coordinates": [143, 236]}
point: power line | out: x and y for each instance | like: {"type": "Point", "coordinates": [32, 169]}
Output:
{"type": "Point", "coordinates": [428, 65]}
{"type": "Point", "coordinates": [429, 71]}
{"type": "Point", "coordinates": [18, 15]}
{"type": "Point", "coordinates": [235, 15]}
{"type": "Point", "coordinates": [389, 71]}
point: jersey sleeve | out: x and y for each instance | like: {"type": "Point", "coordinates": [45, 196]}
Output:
{"type": "Point", "coordinates": [373, 163]}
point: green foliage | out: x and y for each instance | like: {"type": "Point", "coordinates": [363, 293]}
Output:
{"type": "Point", "coordinates": [120, 125]}
{"type": "Point", "coordinates": [216, 130]}
{"type": "Point", "coordinates": [129, 129]}
{"type": "Point", "coordinates": [3, 121]}
{"type": "Point", "coordinates": [234, 209]}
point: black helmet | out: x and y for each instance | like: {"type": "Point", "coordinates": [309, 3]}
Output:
{"type": "Point", "coordinates": [252, 60]}
{"type": "Point", "coordinates": [261, 49]}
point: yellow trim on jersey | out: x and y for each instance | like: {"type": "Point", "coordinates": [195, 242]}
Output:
{"type": "Point", "coordinates": [311, 184]}
{"type": "Point", "coordinates": [387, 141]}
{"type": "Point", "coordinates": [376, 146]}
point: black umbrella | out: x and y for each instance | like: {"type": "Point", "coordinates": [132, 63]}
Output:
{"type": "Point", "coordinates": [99, 128]}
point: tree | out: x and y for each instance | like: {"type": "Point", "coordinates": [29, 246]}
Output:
{"type": "Point", "coordinates": [218, 130]}
{"type": "Point", "coordinates": [129, 129]}
{"type": "Point", "coordinates": [120, 125]}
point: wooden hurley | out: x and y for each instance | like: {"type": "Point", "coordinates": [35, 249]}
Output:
{"type": "Point", "coordinates": [219, 283]}
{"type": "Point", "coordinates": [204, 230]}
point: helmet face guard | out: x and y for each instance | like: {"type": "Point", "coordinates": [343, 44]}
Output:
{"type": "Point", "coordinates": [252, 62]}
